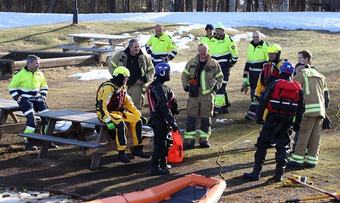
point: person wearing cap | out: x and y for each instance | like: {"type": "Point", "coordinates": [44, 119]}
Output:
{"type": "Point", "coordinates": [209, 38]}
{"type": "Point", "coordinates": [115, 108]}
{"type": "Point", "coordinates": [140, 67]}
{"type": "Point", "coordinates": [257, 55]}
{"type": "Point", "coordinates": [28, 88]}
{"type": "Point", "coordinates": [226, 54]}
{"type": "Point", "coordinates": [284, 100]}
{"type": "Point", "coordinates": [201, 77]}
{"type": "Point", "coordinates": [160, 46]}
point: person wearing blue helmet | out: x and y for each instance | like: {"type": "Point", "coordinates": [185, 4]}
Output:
{"type": "Point", "coordinates": [162, 106]}
{"type": "Point", "coordinates": [284, 100]}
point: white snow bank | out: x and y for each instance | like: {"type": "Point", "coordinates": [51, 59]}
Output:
{"type": "Point", "coordinates": [284, 20]}
{"type": "Point", "coordinates": [104, 74]}
{"type": "Point", "coordinates": [29, 196]}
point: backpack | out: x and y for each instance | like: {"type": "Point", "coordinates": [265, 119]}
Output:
{"type": "Point", "coordinates": [176, 151]}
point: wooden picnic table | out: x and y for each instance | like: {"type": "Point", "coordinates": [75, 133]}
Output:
{"type": "Point", "coordinates": [107, 44]}
{"type": "Point", "coordinates": [101, 144]}
{"type": "Point", "coordinates": [8, 107]}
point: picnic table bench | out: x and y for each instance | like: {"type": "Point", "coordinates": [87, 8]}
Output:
{"type": "Point", "coordinates": [9, 107]}
{"type": "Point", "coordinates": [94, 147]}
{"type": "Point", "coordinates": [107, 44]}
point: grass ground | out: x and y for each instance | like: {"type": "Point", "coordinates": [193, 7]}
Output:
{"type": "Point", "coordinates": [65, 169]}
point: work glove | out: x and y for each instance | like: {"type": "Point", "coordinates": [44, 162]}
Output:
{"type": "Point", "coordinates": [111, 126]}
{"type": "Point", "coordinates": [174, 127]}
{"type": "Point", "coordinates": [245, 85]}
{"type": "Point", "coordinates": [326, 123]}
{"type": "Point", "coordinates": [144, 120]}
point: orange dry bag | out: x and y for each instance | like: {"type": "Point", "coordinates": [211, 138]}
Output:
{"type": "Point", "coordinates": [176, 151]}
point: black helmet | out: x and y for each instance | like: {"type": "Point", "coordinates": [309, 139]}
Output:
{"type": "Point", "coordinates": [209, 27]}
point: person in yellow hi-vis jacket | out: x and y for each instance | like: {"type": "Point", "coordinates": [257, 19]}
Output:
{"type": "Point", "coordinates": [29, 89]}
{"type": "Point", "coordinates": [225, 52]}
{"type": "Point", "coordinates": [307, 142]}
{"type": "Point", "coordinates": [116, 109]}
{"type": "Point", "coordinates": [160, 46]}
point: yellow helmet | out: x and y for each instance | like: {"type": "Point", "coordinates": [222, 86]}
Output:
{"type": "Point", "coordinates": [274, 49]}
{"type": "Point", "coordinates": [121, 70]}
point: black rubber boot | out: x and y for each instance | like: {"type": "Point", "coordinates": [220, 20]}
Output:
{"type": "Point", "coordinates": [189, 144]}
{"type": "Point", "coordinates": [122, 157]}
{"type": "Point", "coordinates": [278, 174]}
{"type": "Point", "coordinates": [205, 144]}
{"type": "Point", "coordinates": [164, 165]}
{"type": "Point", "coordinates": [255, 174]}
{"type": "Point", "coordinates": [138, 151]}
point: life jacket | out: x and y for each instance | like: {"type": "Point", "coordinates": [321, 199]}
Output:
{"type": "Point", "coordinates": [285, 97]}
{"type": "Point", "coordinates": [270, 72]}
{"type": "Point", "coordinates": [171, 100]}
{"type": "Point", "coordinates": [117, 100]}
{"type": "Point", "coordinates": [176, 151]}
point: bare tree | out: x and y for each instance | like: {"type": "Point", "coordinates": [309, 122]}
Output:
{"type": "Point", "coordinates": [200, 4]}
{"type": "Point", "coordinates": [283, 5]}
{"type": "Point", "coordinates": [188, 5]}
{"type": "Point", "coordinates": [232, 5]}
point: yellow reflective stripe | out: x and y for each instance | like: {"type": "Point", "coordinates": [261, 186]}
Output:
{"type": "Point", "coordinates": [313, 158]}
{"type": "Point", "coordinates": [203, 85]}
{"type": "Point", "coordinates": [219, 74]}
{"type": "Point", "coordinates": [203, 134]}
{"type": "Point", "coordinates": [296, 158]}
{"type": "Point", "coordinates": [313, 108]}
{"type": "Point", "coordinates": [255, 61]}
{"type": "Point", "coordinates": [189, 135]}
{"type": "Point", "coordinates": [186, 71]}
{"type": "Point", "coordinates": [307, 90]}
{"type": "Point", "coordinates": [114, 64]}
{"type": "Point", "coordinates": [219, 100]}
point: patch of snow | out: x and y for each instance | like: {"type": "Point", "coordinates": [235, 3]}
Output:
{"type": "Point", "coordinates": [283, 20]}
{"type": "Point", "coordinates": [29, 196]}
{"type": "Point", "coordinates": [93, 75]}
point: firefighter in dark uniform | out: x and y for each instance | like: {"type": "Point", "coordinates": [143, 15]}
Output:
{"type": "Point", "coordinates": [116, 109]}
{"type": "Point", "coordinates": [163, 106]}
{"type": "Point", "coordinates": [284, 100]}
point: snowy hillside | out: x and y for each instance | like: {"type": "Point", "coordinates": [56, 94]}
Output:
{"type": "Point", "coordinates": [291, 20]}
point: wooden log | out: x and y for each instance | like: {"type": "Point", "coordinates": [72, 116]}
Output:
{"type": "Point", "coordinates": [58, 62]}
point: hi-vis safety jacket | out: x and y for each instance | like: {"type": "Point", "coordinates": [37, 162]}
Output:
{"type": "Point", "coordinates": [224, 50]}
{"type": "Point", "coordinates": [112, 101]}
{"type": "Point", "coordinates": [210, 76]}
{"type": "Point", "coordinates": [28, 84]}
{"type": "Point", "coordinates": [160, 47]}
{"type": "Point", "coordinates": [315, 91]}
{"type": "Point", "coordinates": [210, 41]}
{"type": "Point", "coordinates": [144, 63]}
{"type": "Point", "coordinates": [257, 55]}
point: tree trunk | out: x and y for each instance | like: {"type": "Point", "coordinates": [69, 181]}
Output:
{"type": "Point", "coordinates": [188, 5]}
{"type": "Point", "coordinates": [200, 4]}
{"type": "Point", "coordinates": [249, 5]}
{"type": "Point", "coordinates": [232, 5]}
{"type": "Point", "coordinates": [179, 6]}
{"type": "Point", "coordinates": [284, 5]}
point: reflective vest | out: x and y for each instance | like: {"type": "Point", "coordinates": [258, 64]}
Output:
{"type": "Point", "coordinates": [160, 47]}
{"type": "Point", "coordinates": [256, 56]}
{"type": "Point", "coordinates": [224, 50]}
{"type": "Point", "coordinates": [284, 97]}
{"type": "Point", "coordinates": [314, 85]}
{"type": "Point", "coordinates": [210, 41]}
{"type": "Point", "coordinates": [210, 76]}
{"type": "Point", "coordinates": [28, 84]}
